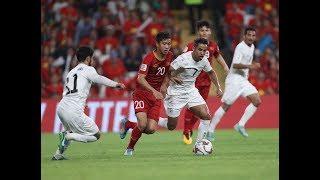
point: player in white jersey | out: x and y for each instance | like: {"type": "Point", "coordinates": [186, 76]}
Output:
{"type": "Point", "coordinates": [77, 125]}
{"type": "Point", "coordinates": [237, 84]}
{"type": "Point", "coordinates": [187, 67]}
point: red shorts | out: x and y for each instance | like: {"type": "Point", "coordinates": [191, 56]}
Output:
{"type": "Point", "coordinates": [144, 101]}
{"type": "Point", "coordinates": [204, 91]}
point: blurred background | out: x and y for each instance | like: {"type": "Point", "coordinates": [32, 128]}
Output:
{"type": "Point", "coordinates": [122, 32]}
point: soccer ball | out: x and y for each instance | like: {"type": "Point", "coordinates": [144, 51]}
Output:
{"type": "Point", "coordinates": [204, 148]}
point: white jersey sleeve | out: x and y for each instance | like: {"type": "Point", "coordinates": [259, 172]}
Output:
{"type": "Point", "coordinates": [93, 76]}
{"type": "Point", "coordinates": [207, 66]}
{"type": "Point", "coordinates": [175, 64]}
{"type": "Point", "coordinates": [237, 55]}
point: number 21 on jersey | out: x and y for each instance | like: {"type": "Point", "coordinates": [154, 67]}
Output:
{"type": "Point", "coordinates": [74, 90]}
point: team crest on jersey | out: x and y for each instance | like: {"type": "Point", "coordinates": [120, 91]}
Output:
{"type": "Point", "coordinates": [143, 67]}
{"type": "Point", "coordinates": [207, 54]}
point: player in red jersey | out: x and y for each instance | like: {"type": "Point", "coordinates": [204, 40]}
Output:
{"type": "Point", "coordinates": [203, 81]}
{"type": "Point", "coordinates": [147, 96]}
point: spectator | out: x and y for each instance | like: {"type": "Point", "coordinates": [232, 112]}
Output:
{"type": "Point", "coordinates": [134, 56]}
{"type": "Point", "coordinates": [130, 27]}
{"type": "Point", "coordinates": [113, 67]}
{"type": "Point", "coordinates": [83, 28]}
{"type": "Point", "coordinates": [55, 89]}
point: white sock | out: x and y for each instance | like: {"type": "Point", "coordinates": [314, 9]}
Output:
{"type": "Point", "coordinates": [250, 110]}
{"type": "Point", "coordinates": [57, 151]}
{"type": "Point", "coordinates": [80, 137]}
{"type": "Point", "coordinates": [202, 129]}
{"type": "Point", "coordinates": [163, 122]}
{"type": "Point", "coordinates": [216, 119]}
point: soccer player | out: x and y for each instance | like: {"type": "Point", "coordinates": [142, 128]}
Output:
{"type": "Point", "coordinates": [147, 97]}
{"type": "Point", "coordinates": [78, 126]}
{"type": "Point", "coordinates": [187, 67]}
{"type": "Point", "coordinates": [203, 81]}
{"type": "Point", "coordinates": [237, 84]}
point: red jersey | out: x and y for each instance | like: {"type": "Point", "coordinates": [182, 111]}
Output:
{"type": "Point", "coordinates": [213, 50]}
{"type": "Point", "coordinates": [154, 70]}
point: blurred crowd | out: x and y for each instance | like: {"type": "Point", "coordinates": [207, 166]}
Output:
{"type": "Point", "coordinates": [123, 31]}
{"type": "Point", "coordinates": [120, 31]}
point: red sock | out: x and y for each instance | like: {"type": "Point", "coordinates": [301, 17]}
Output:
{"type": "Point", "coordinates": [135, 135]}
{"type": "Point", "coordinates": [193, 121]}
{"type": "Point", "coordinates": [187, 121]}
{"type": "Point", "coordinates": [130, 124]}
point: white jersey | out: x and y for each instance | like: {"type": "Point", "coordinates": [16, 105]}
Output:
{"type": "Point", "coordinates": [78, 84]}
{"type": "Point", "coordinates": [192, 69]}
{"type": "Point", "coordinates": [243, 54]}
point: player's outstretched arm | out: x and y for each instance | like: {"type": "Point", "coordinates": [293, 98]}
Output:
{"type": "Point", "coordinates": [96, 78]}
{"type": "Point", "coordinates": [144, 83]}
{"type": "Point", "coordinates": [214, 78]}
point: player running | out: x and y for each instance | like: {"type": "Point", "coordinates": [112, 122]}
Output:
{"type": "Point", "coordinates": [78, 126]}
{"type": "Point", "coordinates": [237, 83]}
{"type": "Point", "coordinates": [203, 81]}
{"type": "Point", "coordinates": [147, 96]}
{"type": "Point", "coordinates": [187, 67]}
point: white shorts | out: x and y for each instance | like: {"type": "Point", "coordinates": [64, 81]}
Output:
{"type": "Point", "coordinates": [173, 104]}
{"type": "Point", "coordinates": [235, 87]}
{"type": "Point", "coordinates": [76, 121]}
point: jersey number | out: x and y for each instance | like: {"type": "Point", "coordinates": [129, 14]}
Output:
{"type": "Point", "coordinates": [195, 71]}
{"type": "Point", "coordinates": [161, 71]}
{"type": "Point", "coordinates": [74, 90]}
{"type": "Point", "coordinates": [138, 104]}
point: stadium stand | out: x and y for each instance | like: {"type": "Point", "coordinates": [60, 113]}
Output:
{"type": "Point", "coordinates": [122, 31]}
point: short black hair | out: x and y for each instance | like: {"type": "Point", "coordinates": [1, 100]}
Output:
{"type": "Point", "coordinates": [249, 28]}
{"type": "Point", "coordinates": [83, 52]}
{"type": "Point", "coordinates": [202, 23]}
{"type": "Point", "coordinates": [200, 41]}
{"type": "Point", "coordinates": [162, 35]}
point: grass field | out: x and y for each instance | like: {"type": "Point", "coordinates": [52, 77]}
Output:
{"type": "Point", "coordinates": [164, 156]}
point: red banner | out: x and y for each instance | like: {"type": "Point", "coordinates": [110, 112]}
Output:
{"type": "Point", "coordinates": [107, 113]}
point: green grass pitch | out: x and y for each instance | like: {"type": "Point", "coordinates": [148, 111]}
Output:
{"type": "Point", "coordinates": [164, 156]}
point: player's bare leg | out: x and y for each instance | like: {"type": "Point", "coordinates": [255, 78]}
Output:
{"type": "Point", "coordinates": [170, 122]}
{"type": "Point", "coordinates": [151, 126]}
{"type": "Point", "coordinates": [125, 125]}
{"type": "Point", "coordinates": [137, 132]}
{"type": "Point", "coordinates": [216, 119]}
{"type": "Point", "coordinates": [202, 112]}
{"type": "Point", "coordinates": [248, 113]}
